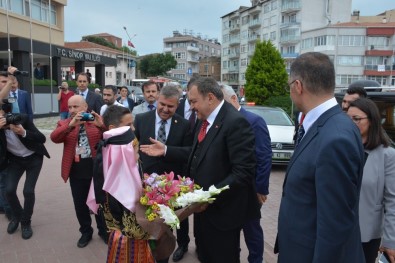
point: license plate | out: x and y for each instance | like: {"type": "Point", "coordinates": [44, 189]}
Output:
{"type": "Point", "coordinates": [282, 155]}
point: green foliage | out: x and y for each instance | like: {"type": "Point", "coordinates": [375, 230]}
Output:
{"type": "Point", "coordinates": [104, 42]}
{"type": "Point", "coordinates": [266, 75]}
{"type": "Point", "coordinates": [157, 64]}
{"type": "Point", "coordinates": [283, 102]}
{"type": "Point", "coordinates": [73, 84]}
{"type": "Point", "coordinates": [44, 82]}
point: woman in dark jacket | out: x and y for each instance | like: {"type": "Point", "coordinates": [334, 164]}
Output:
{"type": "Point", "coordinates": [124, 99]}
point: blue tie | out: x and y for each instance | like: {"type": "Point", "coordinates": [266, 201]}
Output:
{"type": "Point", "coordinates": [15, 105]}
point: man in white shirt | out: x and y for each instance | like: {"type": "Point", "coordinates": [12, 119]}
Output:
{"type": "Point", "coordinates": [150, 91]}
{"type": "Point", "coordinates": [109, 93]}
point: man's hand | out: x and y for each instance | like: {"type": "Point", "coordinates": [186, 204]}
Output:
{"type": "Point", "coordinates": [76, 120]}
{"type": "Point", "coordinates": [261, 198]}
{"type": "Point", "coordinates": [11, 70]}
{"type": "Point", "coordinates": [2, 122]}
{"type": "Point", "coordinates": [155, 149]}
{"type": "Point", "coordinates": [98, 120]}
{"type": "Point", "coordinates": [390, 253]}
{"type": "Point", "coordinates": [18, 129]}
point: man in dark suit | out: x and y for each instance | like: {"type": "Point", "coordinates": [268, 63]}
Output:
{"type": "Point", "coordinates": [253, 233]}
{"type": "Point", "coordinates": [25, 151]}
{"type": "Point", "coordinates": [318, 218]}
{"type": "Point", "coordinates": [222, 154]}
{"type": "Point", "coordinates": [93, 100]}
{"type": "Point", "coordinates": [148, 125]}
{"type": "Point", "coordinates": [24, 101]}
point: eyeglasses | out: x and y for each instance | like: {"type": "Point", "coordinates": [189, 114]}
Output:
{"type": "Point", "coordinates": [288, 87]}
{"type": "Point", "coordinates": [357, 120]}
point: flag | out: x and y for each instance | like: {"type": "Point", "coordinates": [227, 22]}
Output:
{"type": "Point", "coordinates": [130, 44]}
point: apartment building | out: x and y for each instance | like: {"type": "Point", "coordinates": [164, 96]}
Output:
{"type": "Point", "coordinates": [283, 22]}
{"type": "Point", "coordinates": [189, 49]}
{"type": "Point", "coordinates": [359, 50]}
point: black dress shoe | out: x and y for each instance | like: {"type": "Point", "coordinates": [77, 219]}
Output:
{"type": "Point", "coordinates": [12, 226]}
{"type": "Point", "coordinates": [84, 240]}
{"type": "Point", "coordinates": [27, 231]}
{"type": "Point", "coordinates": [179, 253]}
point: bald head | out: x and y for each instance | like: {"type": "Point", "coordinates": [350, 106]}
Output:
{"type": "Point", "coordinates": [77, 104]}
{"type": "Point", "coordinates": [230, 95]}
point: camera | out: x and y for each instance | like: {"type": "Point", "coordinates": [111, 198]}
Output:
{"type": "Point", "coordinates": [60, 87]}
{"type": "Point", "coordinates": [87, 117]}
{"type": "Point", "coordinates": [10, 118]}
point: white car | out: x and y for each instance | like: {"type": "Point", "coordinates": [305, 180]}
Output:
{"type": "Point", "coordinates": [281, 130]}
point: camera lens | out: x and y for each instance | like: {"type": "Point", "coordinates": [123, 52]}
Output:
{"type": "Point", "coordinates": [13, 119]}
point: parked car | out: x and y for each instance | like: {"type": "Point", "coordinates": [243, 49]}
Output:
{"type": "Point", "coordinates": [281, 130]}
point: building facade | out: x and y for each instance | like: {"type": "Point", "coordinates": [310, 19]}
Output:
{"type": "Point", "coordinates": [283, 22]}
{"type": "Point", "coordinates": [189, 50]}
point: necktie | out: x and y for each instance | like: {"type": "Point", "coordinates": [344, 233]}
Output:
{"type": "Point", "coordinates": [300, 135]}
{"type": "Point", "coordinates": [162, 132]}
{"type": "Point", "coordinates": [151, 106]}
{"type": "Point", "coordinates": [15, 105]}
{"type": "Point", "coordinates": [192, 120]}
{"type": "Point", "coordinates": [203, 130]}
{"type": "Point", "coordinates": [82, 94]}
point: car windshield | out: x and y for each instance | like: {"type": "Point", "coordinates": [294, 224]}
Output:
{"type": "Point", "coordinates": [272, 116]}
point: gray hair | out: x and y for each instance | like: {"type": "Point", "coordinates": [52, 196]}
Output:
{"type": "Point", "coordinates": [206, 85]}
{"type": "Point", "coordinates": [228, 91]}
{"type": "Point", "coordinates": [170, 91]}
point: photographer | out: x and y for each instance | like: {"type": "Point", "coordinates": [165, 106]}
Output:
{"type": "Point", "coordinates": [63, 97]}
{"type": "Point", "coordinates": [23, 145]}
{"type": "Point", "coordinates": [5, 82]}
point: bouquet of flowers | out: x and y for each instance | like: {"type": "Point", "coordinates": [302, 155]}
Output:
{"type": "Point", "coordinates": [162, 194]}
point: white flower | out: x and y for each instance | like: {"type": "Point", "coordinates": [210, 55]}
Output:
{"type": "Point", "coordinates": [169, 216]}
{"type": "Point", "coordinates": [199, 196]}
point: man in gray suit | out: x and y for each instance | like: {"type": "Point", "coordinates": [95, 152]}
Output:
{"type": "Point", "coordinates": [151, 92]}
{"type": "Point", "coordinates": [93, 100]}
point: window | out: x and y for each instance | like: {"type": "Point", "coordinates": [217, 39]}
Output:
{"type": "Point", "coordinates": [243, 49]}
{"type": "Point", "coordinates": [291, 50]}
{"type": "Point", "coordinates": [266, 8]}
{"type": "Point", "coordinates": [378, 42]}
{"type": "Point", "coordinates": [307, 43]}
{"type": "Point", "coordinates": [350, 60]}
{"type": "Point", "coordinates": [224, 64]}
{"type": "Point", "coordinates": [224, 40]}
{"type": "Point", "coordinates": [245, 20]}
{"type": "Point", "coordinates": [273, 20]}
{"type": "Point", "coordinates": [266, 36]}
{"type": "Point", "coordinates": [274, 5]}
{"type": "Point", "coordinates": [179, 76]}
{"type": "Point", "coordinates": [242, 76]}
{"type": "Point", "coordinates": [345, 80]}
{"type": "Point", "coordinates": [292, 18]}
{"type": "Point", "coordinates": [16, 6]}
{"type": "Point", "coordinates": [244, 34]}
{"type": "Point", "coordinates": [380, 79]}
{"type": "Point", "coordinates": [180, 66]}
{"type": "Point", "coordinates": [356, 41]}
{"type": "Point", "coordinates": [273, 35]}
{"type": "Point", "coordinates": [179, 55]}
{"type": "Point", "coordinates": [375, 60]}
{"type": "Point", "coordinates": [225, 51]}
{"type": "Point", "coordinates": [243, 62]}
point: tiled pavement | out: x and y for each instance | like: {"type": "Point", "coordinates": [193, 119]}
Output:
{"type": "Point", "coordinates": [56, 228]}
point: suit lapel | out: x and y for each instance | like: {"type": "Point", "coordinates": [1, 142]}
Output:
{"type": "Point", "coordinates": [310, 134]}
{"type": "Point", "coordinates": [173, 129]}
{"type": "Point", "coordinates": [152, 123]}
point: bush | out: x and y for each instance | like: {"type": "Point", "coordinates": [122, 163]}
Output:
{"type": "Point", "coordinates": [44, 82]}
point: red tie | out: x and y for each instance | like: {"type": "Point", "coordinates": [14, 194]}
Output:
{"type": "Point", "coordinates": [203, 130]}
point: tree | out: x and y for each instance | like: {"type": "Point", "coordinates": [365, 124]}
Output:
{"type": "Point", "coordinates": [266, 75]}
{"type": "Point", "coordinates": [157, 64]}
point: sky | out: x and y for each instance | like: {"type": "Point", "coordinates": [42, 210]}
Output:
{"type": "Point", "coordinates": [149, 21]}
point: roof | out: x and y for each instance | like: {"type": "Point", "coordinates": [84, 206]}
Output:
{"type": "Point", "coordinates": [364, 24]}
{"type": "Point", "coordinates": [241, 9]}
{"type": "Point", "coordinates": [89, 45]}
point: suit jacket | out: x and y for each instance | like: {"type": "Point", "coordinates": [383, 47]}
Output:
{"type": "Point", "coordinates": [179, 136]}
{"type": "Point", "coordinates": [227, 157]}
{"type": "Point", "coordinates": [377, 203]}
{"type": "Point", "coordinates": [130, 102]}
{"type": "Point", "coordinates": [25, 103]}
{"type": "Point", "coordinates": [69, 136]}
{"type": "Point", "coordinates": [318, 218]}
{"type": "Point", "coordinates": [34, 141]}
{"type": "Point", "coordinates": [181, 108]}
{"type": "Point", "coordinates": [94, 101]}
{"type": "Point", "coordinates": [263, 150]}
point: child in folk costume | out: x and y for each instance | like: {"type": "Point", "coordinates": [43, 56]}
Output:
{"type": "Point", "coordinates": [117, 187]}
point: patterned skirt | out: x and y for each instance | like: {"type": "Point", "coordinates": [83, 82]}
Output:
{"type": "Point", "coordinates": [122, 249]}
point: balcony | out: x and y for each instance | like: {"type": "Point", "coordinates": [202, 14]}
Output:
{"type": "Point", "coordinates": [379, 70]}
{"type": "Point", "coordinates": [234, 55]}
{"type": "Point", "coordinates": [234, 28]}
{"type": "Point", "coordinates": [193, 59]}
{"type": "Point", "coordinates": [290, 24]}
{"type": "Point", "coordinates": [233, 69]}
{"type": "Point", "coordinates": [256, 10]}
{"type": "Point", "coordinates": [290, 6]}
{"type": "Point", "coordinates": [234, 41]}
{"type": "Point", "coordinates": [193, 49]}
{"type": "Point", "coordinates": [254, 38]}
{"type": "Point", "coordinates": [254, 23]}
{"type": "Point", "coordinates": [167, 49]}
{"type": "Point", "coordinates": [290, 39]}
{"type": "Point", "coordinates": [289, 55]}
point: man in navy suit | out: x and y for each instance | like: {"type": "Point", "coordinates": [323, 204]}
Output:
{"type": "Point", "coordinates": [318, 218]}
{"type": "Point", "coordinates": [253, 233]}
{"type": "Point", "coordinates": [93, 100]}
{"type": "Point", "coordinates": [24, 99]}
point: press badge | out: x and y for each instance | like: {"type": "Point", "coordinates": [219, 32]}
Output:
{"type": "Point", "coordinates": [78, 151]}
